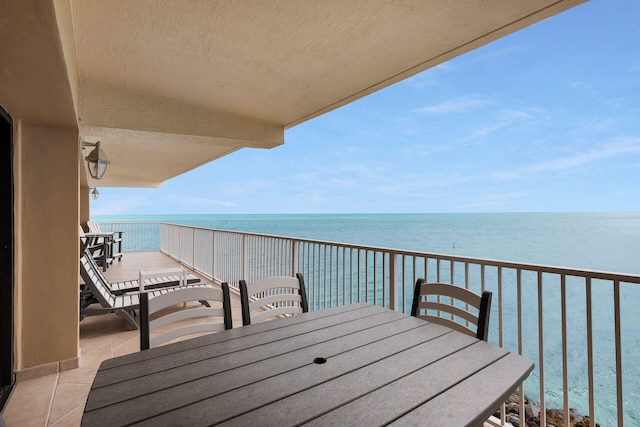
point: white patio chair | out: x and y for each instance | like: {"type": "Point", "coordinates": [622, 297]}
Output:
{"type": "Point", "coordinates": [272, 297]}
{"type": "Point", "coordinates": [453, 306]}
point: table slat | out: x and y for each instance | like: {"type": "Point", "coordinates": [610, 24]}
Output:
{"type": "Point", "coordinates": [468, 401]}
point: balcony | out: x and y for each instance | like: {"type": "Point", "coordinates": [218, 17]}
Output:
{"type": "Point", "coordinates": [576, 325]}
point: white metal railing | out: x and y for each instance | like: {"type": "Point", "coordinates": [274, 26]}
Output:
{"type": "Point", "coordinates": [137, 236]}
{"type": "Point", "coordinates": [568, 321]}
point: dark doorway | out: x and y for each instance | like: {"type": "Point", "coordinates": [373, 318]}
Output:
{"type": "Point", "coordinates": [7, 377]}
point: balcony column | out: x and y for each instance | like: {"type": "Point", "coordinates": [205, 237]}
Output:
{"type": "Point", "coordinates": [46, 249]}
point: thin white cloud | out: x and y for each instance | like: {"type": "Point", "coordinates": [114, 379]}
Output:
{"type": "Point", "coordinates": [618, 147]}
{"type": "Point", "coordinates": [484, 202]}
{"type": "Point", "coordinates": [459, 105]}
{"type": "Point", "coordinates": [238, 187]}
{"type": "Point", "coordinates": [492, 54]}
{"type": "Point", "coordinates": [201, 201]}
{"type": "Point", "coordinates": [105, 204]}
{"type": "Point", "coordinates": [420, 81]}
{"type": "Point", "coordinates": [428, 78]}
{"type": "Point", "coordinates": [512, 115]}
{"type": "Point", "coordinates": [487, 131]}
{"type": "Point", "coordinates": [506, 119]}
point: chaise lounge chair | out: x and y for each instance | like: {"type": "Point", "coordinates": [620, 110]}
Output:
{"type": "Point", "coordinates": [98, 290]}
{"type": "Point", "coordinates": [96, 246]}
{"type": "Point", "coordinates": [113, 240]}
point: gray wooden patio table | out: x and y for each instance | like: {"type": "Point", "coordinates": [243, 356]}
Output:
{"type": "Point", "coordinates": [351, 365]}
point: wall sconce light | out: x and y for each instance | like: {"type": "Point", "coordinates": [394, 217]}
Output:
{"type": "Point", "coordinates": [97, 160]}
{"type": "Point", "coordinates": [94, 193]}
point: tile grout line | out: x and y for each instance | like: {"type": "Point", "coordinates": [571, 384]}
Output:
{"type": "Point", "coordinates": [123, 344]}
{"type": "Point", "coordinates": [53, 396]}
{"type": "Point", "coordinates": [64, 417]}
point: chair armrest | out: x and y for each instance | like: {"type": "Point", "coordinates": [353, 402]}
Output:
{"type": "Point", "coordinates": [150, 274]}
{"type": "Point", "coordinates": [101, 234]}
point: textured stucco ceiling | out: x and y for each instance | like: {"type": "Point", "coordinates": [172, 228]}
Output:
{"type": "Point", "coordinates": [168, 85]}
{"type": "Point", "coordinates": [280, 62]}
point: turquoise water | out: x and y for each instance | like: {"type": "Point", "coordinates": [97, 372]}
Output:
{"type": "Point", "coordinates": [600, 241]}
{"type": "Point", "coordinates": [595, 241]}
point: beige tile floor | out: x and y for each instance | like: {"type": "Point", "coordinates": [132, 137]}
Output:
{"type": "Point", "coordinates": [59, 399]}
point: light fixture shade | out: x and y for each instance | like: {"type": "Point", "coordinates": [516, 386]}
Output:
{"type": "Point", "coordinates": [97, 162]}
{"type": "Point", "coordinates": [95, 193]}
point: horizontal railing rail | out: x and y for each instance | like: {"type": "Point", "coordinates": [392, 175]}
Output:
{"type": "Point", "coordinates": [578, 326]}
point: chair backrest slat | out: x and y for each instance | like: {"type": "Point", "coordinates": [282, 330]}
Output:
{"type": "Point", "coordinates": [452, 309]}
{"type": "Point", "coordinates": [451, 291]}
{"type": "Point", "coordinates": [186, 294]}
{"type": "Point", "coordinates": [293, 300]}
{"type": "Point", "coordinates": [275, 312]}
{"type": "Point", "coordinates": [263, 285]}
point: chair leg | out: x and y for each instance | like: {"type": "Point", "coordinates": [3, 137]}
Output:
{"type": "Point", "coordinates": [126, 316]}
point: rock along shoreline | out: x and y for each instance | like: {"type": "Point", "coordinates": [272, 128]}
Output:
{"type": "Point", "coordinates": [555, 417]}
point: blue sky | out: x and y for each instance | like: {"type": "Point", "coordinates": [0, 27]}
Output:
{"type": "Point", "coordinates": [546, 119]}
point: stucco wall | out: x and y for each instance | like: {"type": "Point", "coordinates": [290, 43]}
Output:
{"type": "Point", "coordinates": [47, 215]}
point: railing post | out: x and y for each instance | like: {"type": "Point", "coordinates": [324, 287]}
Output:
{"type": "Point", "coordinates": [213, 255]}
{"type": "Point", "coordinates": [295, 252]}
{"type": "Point", "coordinates": [543, 412]}
{"type": "Point", "coordinates": [179, 243]}
{"type": "Point", "coordinates": [393, 284]}
{"type": "Point", "coordinates": [245, 257]}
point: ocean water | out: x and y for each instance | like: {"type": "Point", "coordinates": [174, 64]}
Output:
{"type": "Point", "coordinates": [595, 241]}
